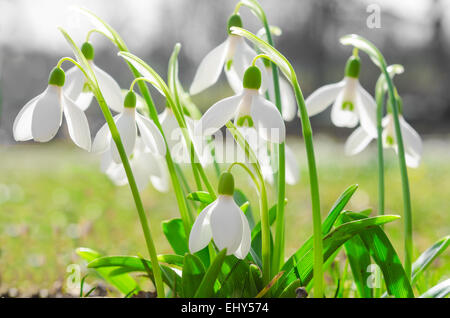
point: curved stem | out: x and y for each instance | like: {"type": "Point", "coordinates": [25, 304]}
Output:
{"type": "Point", "coordinates": [314, 188]}
{"type": "Point", "coordinates": [88, 35]}
{"type": "Point", "coordinates": [264, 211]}
{"type": "Point", "coordinates": [404, 176]}
{"type": "Point", "coordinates": [379, 100]}
{"type": "Point", "coordinates": [137, 199]}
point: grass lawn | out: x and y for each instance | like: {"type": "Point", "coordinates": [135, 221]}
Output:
{"type": "Point", "coordinates": [53, 198]}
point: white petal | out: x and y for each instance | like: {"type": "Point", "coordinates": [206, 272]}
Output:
{"type": "Point", "coordinates": [341, 117]}
{"type": "Point", "coordinates": [226, 224]}
{"type": "Point", "coordinates": [22, 123]}
{"type": "Point", "coordinates": [288, 104]}
{"type": "Point", "coordinates": [106, 162]}
{"type": "Point", "coordinates": [244, 246]}
{"type": "Point", "coordinates": [357, 142]}
{"type": "Point", "coordinates": [268, 120]}
{"type": "Point", "coordinates": [292, 169]}
{"type": "Point", "coordinates": [321, 98]}
{"type": "Point", "coordinates": [74, 88]}
{"type": "Point", "coordinates": [367, 111]}
{"type": "Point", "coordinates": [160, 178]}
{"type": "Point", "coordinates": [126, 125]}
{"type": "Point", "coordinates": [201, 234]}
{"type": "Point", "coordinates": [412, 143]}
{"type": "Point", "coordinates": [151, 136]}
{"type": "Point", "coordinates": [77, 124]}
{"type": "Point", "coordinates": [170, 128]}
{"type": "Point", "coordinates": [209, 69]}
{"type": "Point", "coordinates": [110, 89]}
{"type": "Point", "coordinates": [103, 138]}
{"type": "Point", "coordinates": [234, 80]}
{"type": "Point", "coordinates": [217, 116]}
{"type": "Point", "coordinates": [47, 115]}
{"type": "Point", "coordinates": [242, 59]}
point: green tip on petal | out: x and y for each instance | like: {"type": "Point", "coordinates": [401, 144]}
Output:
{"type": "Point", "coordinates": [130, 100]}
{"type": "Point", "coordinates": [234, 20]}
{"type": "Point", "coordinates": [226, 184]}
{"type": "Point", "coordinates": [88, 51]}
{"type": "Point", "coordinates": [348, 106]}
{"type": "Point", "coordinates": [390, 140]}
{"type": "Point", "coordinates": [252, 78]}
{"type": "Point", "coordinates": [245, 121]}
{"type": "Point", "coordinates": [57, 77]}
{"type": "Point", "coordinates": [353, 66]}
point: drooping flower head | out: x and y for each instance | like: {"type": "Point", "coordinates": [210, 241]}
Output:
{"type": "Point", "coordinates": [234, 55]}
{"type": "Point", "coordinates": [41, 117]}
{"type": "Point", "coordinates": [222, 221]}
{"type": "Point", "coordinates": [146, 166]}
{"type": "Point", "coordinates": [412, 142]}
{"type": "Point", "coordinates": [128, 122]}
{"type": "Point", "coordinates": [248, 108]}
{"type": "Point", "coordinates": [77, 88]}
{"type": "Point", "coordinates": [352, 103]}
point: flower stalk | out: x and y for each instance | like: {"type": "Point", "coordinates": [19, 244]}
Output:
{"type": "Point", "coordinates": [131, 180]}
{"type": "Point", "coordinates": [379, 60]}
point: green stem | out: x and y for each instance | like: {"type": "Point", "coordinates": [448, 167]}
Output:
{"type": "Point", "coordinates": [185, 215]}
{"type": "Point", "coordinates": [314, 188]}
{"type": "Point", "coordinates": [281, 184]}
{"type": "Point", "coordinates": [404, 177]}
{"type": "Point", "coordinates": [379, 100]}
{"type": "Point", "coordinates": [137, 199]}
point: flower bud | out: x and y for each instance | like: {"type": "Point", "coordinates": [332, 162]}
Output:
{"type": "Point", "coordinates": [88, 51]}
{"type": "Point", "coordinates": [57, 77]}
{"type": "Point", "coordinates": [226, 184]}
{"type": "Point", "coordinates": [234, 20]}
{"type": "Point", "coordinates": [252, 78]}
{"type": "Point", "coordinates": [130, 100]}
{"type": "Point", "coordinates": [353, 66]}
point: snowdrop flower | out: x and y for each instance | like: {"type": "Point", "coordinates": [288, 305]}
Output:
{"type": "Point", "coordinates": [359, 139]}
{"type": "Point", "coordinates": [352, 103]}
{"type": "Point", "coordinates": [261, 149]}
{"type": "Point", "coordinates": [175, 140]}
{"type": "Point", "coordinates": [128, 122]}
{"type": "Point", "coordinates": [234, 56]}
{"type": "Point", "coordinates": [146, 166]}
{"type": "Point", "coordinates": [77, 88]}
{"type": "Point", "coordinates": [222, 221]}
{"type": "Point", "coordinates": [41, 117]}
{"type": "Point", "coordinates": [248, 108]}
{"type": "Point", "coordinates": [288, 103]}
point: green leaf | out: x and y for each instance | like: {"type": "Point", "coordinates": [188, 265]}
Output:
{"type": "Point", "coordinates": [104, 27]}
{"type": "Point", "coordinates": [290, 290]}
{"type": "Point", "coordinates": [326, 225]}
{"type": "Point", "coordinates": [428, 257]}
{"type": "Point", "coordinates": [149, 73]}
{"type": "Point", "coordinates": [366, 46]}
{"type": "Point", "coordinates": [124, 283]}
{"type": "Point", "coordinates": [174, 231]}
{"type": "Point", "coordinates": [200, 196]}
{"type": "Point", "coordinates": [303, 267]}
{"type": "Point", "coordinates": [193, 273]}
{"type": "Point", "coordinates": [441, 290]}
{"type": "Point", "coordinates": [384, 255]}
{"type": "Point", "coordinates": [265, 47]}
{"type": "Point", "coordinates": [359, 259]}
{"type": "Point", "coordinates": [206, 288]}
{"type": "Point", "coordinates": [119, 265]}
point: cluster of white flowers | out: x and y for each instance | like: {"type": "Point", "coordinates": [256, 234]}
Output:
{"type": "Point", "coordinates": [353, 105]}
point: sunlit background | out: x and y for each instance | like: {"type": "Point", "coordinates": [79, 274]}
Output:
{"type": "Point", "coordinates": [53, 197]}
